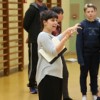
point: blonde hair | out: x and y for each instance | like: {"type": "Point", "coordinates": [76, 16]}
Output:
{"type": "Point", "coordinates": [90, 5]}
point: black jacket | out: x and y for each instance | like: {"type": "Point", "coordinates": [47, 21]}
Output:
{"type": "Point", "coordinates": [32, 23]}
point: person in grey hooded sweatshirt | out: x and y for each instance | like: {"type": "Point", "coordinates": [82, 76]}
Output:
{"type": "Point", "coordinates": [32, 26]}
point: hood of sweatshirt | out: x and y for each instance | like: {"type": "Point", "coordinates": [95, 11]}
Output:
{"type": "Point", "coordinates": [34, 4]}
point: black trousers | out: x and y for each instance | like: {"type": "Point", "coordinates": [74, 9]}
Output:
{"type": "Point", "coordinates": [92, 66]}
{"type": "Point", "coordinates": [50, 88]}
{"type": "Point", "coordinates": [33, 59]}
{"type": "Point", "coordinates": [65, 78]}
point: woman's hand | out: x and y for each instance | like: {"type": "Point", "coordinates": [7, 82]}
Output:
{"type": "Point", "coordinates": [73, 29]}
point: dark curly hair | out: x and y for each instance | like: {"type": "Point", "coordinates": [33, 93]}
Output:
{"type": "Point", "coordinates": [57, 9]}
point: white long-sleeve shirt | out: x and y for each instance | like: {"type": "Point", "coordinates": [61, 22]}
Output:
{"type": "Point", "coordinates": [43, 67]}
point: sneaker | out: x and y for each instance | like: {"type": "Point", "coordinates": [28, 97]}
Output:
{"type": "Point", "coordinates": [33, 90]}
{"type": "Point", "coordinates": [94, 97]}
{"type": "Point", "coordinates": [68, 98]}
{"type": "Point", "coordinates": [84, 97]}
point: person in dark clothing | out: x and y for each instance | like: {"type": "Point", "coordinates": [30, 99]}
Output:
{"type": "Point", "coordinates": [60, 12]}
{"type": "Point", "coordinates": [88, 50]}
{"type": "Point", "coordinates": [99, 21]}
{"type": "Point", "coordinates": [32, 25]}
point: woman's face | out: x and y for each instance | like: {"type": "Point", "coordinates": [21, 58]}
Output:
{"type": "Point", "coordinates": [51, 24]}
{"type": "Point", "coordinates": [90, 13]}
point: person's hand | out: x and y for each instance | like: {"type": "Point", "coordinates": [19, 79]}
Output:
{"type": "Point", "coordinates": [73, 29]}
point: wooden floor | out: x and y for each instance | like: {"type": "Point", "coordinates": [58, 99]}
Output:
{"type": "Point", "coordinates": [14, 86]}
